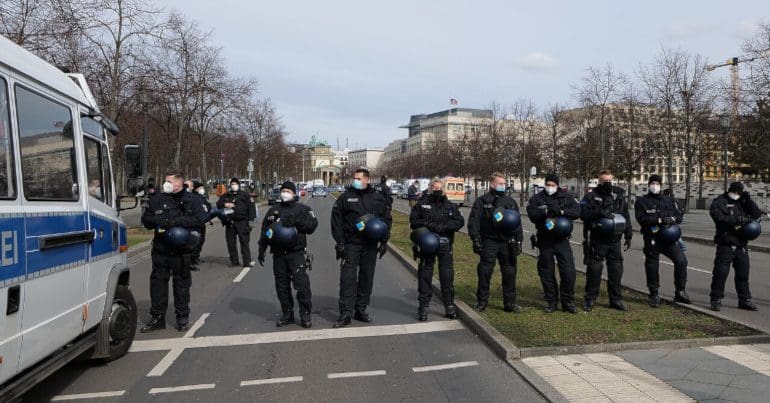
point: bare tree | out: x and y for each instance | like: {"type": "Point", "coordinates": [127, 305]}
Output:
{"type": "Point", "coordinates": [598, 89]}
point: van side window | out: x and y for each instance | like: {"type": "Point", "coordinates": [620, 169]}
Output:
{"type": "Point", "coordinates": [7, 163]}
{"type": "Point", "coordinates": [92, 127]}
{"type": "Point", "coordinates": [107, 182]}
{"type": "Point", "coordinates": [94, 168]}
{"type": "Point", "coordinates": [48, 161]}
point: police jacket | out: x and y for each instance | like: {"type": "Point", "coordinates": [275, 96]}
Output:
{"type": "Point", "coordinates": [206, 205]}
{"type": "Point", "coordinates": [726, 214]}
{"type": "Point", "coordinates": [598, 204]}
{"type": "Point", "coordinates": [480, 222]}
{"type": "Point", "coordinates": [244, 207]}
{"type": "Point", "coordinates": [291, 214]}
{"type": "Point", "coordinates": [165, 210]}
{"type": "Point", "coordinates": [350, 206]}
{"type": "Point", "coordinates": [652, 209]}
{"type": "Point", "coordinates": [437, 214]}
{"type": "Point", "coordinates": [411, 192]}
{"type": "Point", "coordinates": [542, 206]}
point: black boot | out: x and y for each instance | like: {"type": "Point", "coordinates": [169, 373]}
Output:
{"type": "Point", "coordinates": [305, 320]}
{"type": "Point", "coordinates": [450, 311]}
{"type": "Point", "coordinates": [550, 307]}
{"type": "Point", "coordinates": [157, 322]}
{"type": "Point", "coordinates": [481, 306]}
{"type": "Point", "coordinates": [681, 296]}
{"type": "Point", "coordinates": [286, 319]}
{"type": "Point", "coordinates": [568, 307]}
{"type": "Point", "coordinates": [588, 305]}
{"type": "Point", "coordinates": [747, 305]}
{"type": "Point", "coordinates": [342, 321]}
{"type": "Point", "coordinates": [362, 316]}
{"type": "Point", "coordinates": [619, 305]}
{"type": "Point", "coordinates": [716, 305]}
{"type": "Point", "coordinates": [182, 323]}
{"type": "Point", "coordinates": [511, 307]}
{"type": "Point", "coordinates": [422, 313]}
{"type": "Point", "coordinates": [654, 299]}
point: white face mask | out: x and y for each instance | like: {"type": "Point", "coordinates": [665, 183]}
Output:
{"type": "Point", "coordinates": [654, 189]}
{"type": "Point", "coordinates": [234, 187]}
{"type": "Point", "coordinates": [550, 190]}
{"type": "Point", "coordinates": [286, 197]}
{"type": "Point", "coordinates": [201, 191]}
{"type": "Point", "coordinates": [168, 187]}
{"type": "Point", "coordinates": [733, 196]}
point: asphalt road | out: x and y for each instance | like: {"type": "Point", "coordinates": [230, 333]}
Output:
{"type": "Point", "coordinates": [237, 354]}
{"type": "Point", "coordinates": [700, 263]}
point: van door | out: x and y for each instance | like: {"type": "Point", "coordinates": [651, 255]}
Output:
{"type": "Point", "coordinates": [103, 252]}
{"type": "Point", "coordinates": [55, 222]}
{"type": "Point", "coordinates": [12, 260]}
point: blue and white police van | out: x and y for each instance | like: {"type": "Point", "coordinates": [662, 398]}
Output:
{"type": "Point", "coordinates": [64, 281]}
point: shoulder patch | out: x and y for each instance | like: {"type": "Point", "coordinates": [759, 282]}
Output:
{"type": "Point", "coordinates": [352, 200]}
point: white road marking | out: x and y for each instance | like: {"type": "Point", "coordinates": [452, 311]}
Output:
{"type": "Point", "coordinates": [355, 374]}
{"type": "Point", "coordinates": [294, 335]}
{"type": "Point", "coordinates": [271, 381]}
{"type": "Point", "coordinates": [202, 386]}
{"type": "Point", "coordinates": [172, 355]}
{"type": "Point", "coordinates": [445, 366]}
{"type": "Point", "coordinates": [602, 377]}
{"type": "Point", "coordinates": [96, 395]}
{"type": "Point", "coordinates": [197, 325]}
{"type": "Point", "coordinates": [748, 356]}
{"type": "Point", "coordinates": [242, 274]}
{"type": "Point", "coordinates": [166, 362]}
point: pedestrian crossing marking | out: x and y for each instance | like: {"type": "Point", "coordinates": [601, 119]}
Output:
{"type": "Point", "coordinates": [749, 356]}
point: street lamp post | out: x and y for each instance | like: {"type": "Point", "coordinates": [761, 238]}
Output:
{"type": "Point", "coordinates": [724, 121]}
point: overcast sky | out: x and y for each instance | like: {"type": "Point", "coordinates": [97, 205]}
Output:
{"type": "Point", "coordinates": [357, 70]}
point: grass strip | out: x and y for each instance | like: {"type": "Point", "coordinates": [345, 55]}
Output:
{"type": "Point", "coordinates": [534, 328]}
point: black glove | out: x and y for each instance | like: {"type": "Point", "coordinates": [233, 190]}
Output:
{"type": "Point", "coordinates": [627, 244]}
{"type": "Point", "coordinates": [743, 220]}
{"type": "Point", "coordinates": [162, 222]}
{"type": "Point", "coordinates": [415, 252]}
{"type": "Point", "coordinates": [261, 257]}
{"type": "Point", "coordinates": [339, 251]}
{"type": "Point", "coordinates": [436, 227]}
{"type": "Point", "coordinates": [287, 222]}
{"type": "Point", "coordinates": [606, 213]}
{"type": "Point", "coordinates": [477, 246]}
{"type": "Point", "coordinates": [383, 248]}
{"type": "Point", "coordinates": [668, 220]}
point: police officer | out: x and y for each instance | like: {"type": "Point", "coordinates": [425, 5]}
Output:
{"type": "Point", "coordinates": [491, 245]}
{"type": "Point", "coordinates": [198, 190]}
{"type": "Point", "coordinates": [385, 190]}
{"type": "Point", "coordinates": [413, 193]}
{"type": "Point", "coordinates": [654, 211]}
{"type": "Point", "coordinates": [443, 218]}
{"type": "Point", "coordinates": [730, 211]}
{"type": "Point", "coordinates": [244, 213]}
{"type": "Point", "coordinates": [172, 208]}
{"type": "Point", "coordinates": [289, 263]}
{"type": "Point", "coordinates": [553, 202]}
{"type": "Point", "coordinates": [605, 201]}
{"type": "Point", "coordinates": [358, 254]}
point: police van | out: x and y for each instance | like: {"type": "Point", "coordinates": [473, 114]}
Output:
{"type": "Point", "coordinates": [64, 281]}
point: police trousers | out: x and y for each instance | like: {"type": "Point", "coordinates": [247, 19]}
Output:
{"type": "Point", "coordinates": [726, 255]}
{"type": "Point", "coordinates": [289, 268]}
{"type": "Point", "coordinates": [446, 276]}
{"type": "Point", "coordinates": [242, 231]}
{"type": "Point", "coordinates": [357, 277]}
{"type": "Point", "coordinates": [652, 254]}
{"type": "Point", "coordinates": [165, 266]}
{"type": "Point", "coordinates": [602, 250]}
{"type": "Point", "coordinates": [496, 250]}
{"type": "Point", "coordinates": [560, 251]}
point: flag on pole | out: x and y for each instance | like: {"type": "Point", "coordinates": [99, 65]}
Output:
{"type": "Point", "coordinates": [452, 101]}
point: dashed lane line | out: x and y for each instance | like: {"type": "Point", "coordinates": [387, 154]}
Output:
{"type": "Point", "coordinates": [172, 389]}
{"type": "Point", "coordinates": [445, 366]}
{"type": "Point", "coordinates": [242, 274]}
{"type": "Point", "coordinates": [338, 375]}
{"type": "Point", "coordinates": [269, 381]}
{"type": "Point", "coordinates": [81, 396]}
{"type": "Point", "coordinates": [689, 268]}
{"type": "Point", "coordinates": [293, 336]}
{"type": "Point", "coordinates": [748, 356]}
{"type": "Point", "coordinates": [197, 325]}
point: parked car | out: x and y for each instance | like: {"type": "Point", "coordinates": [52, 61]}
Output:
{"type": "Point", "coordinates": [336, 188]}
{"type": "Point", "coordinates": [403, 193]}
{"type": "Point", "coordinates": [395, 189]}
{"type": "Point", "coordinates": [319, 191]}
{"type": "Point", "coordinates": [274, 195]}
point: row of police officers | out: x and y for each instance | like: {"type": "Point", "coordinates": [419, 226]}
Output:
{"type": "Point", "coordinates": [361, 222]}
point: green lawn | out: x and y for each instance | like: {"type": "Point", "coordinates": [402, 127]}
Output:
{"type": "Point", "coordinates": [137, 236]}
{"type": "Point", "coordinates": [534, 328]}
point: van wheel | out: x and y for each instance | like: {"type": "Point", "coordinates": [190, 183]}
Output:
{"type": "Point", "coordinates": [122, 322]}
